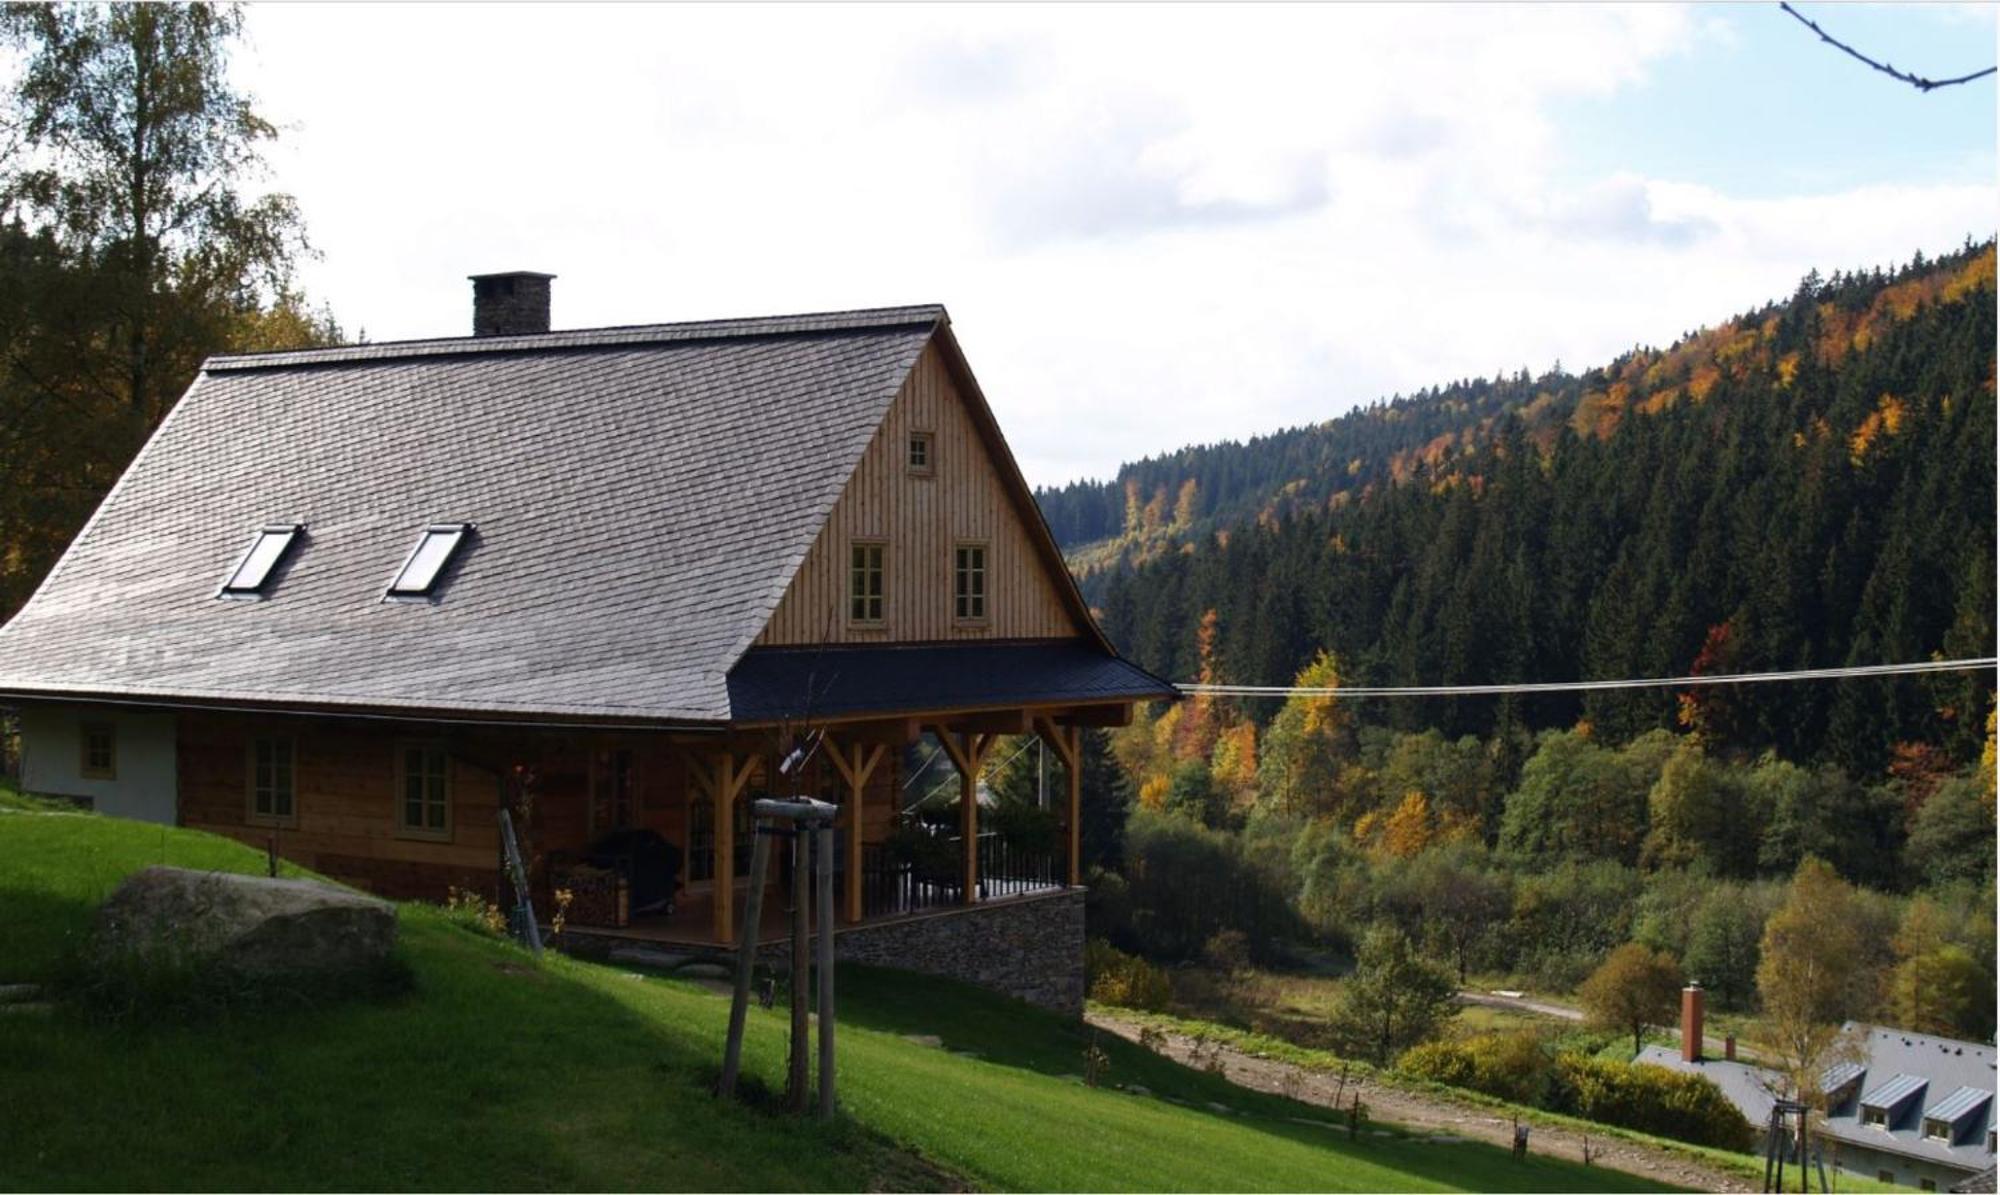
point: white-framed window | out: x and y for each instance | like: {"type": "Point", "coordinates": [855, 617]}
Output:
{"type": "Point", "coordinates": [270, 795]}
{"type": "Point", "coordinates": [968, 586]}
{"type": "Point", "coordinates": [254, 569]}
{"type": "Point", "coordinates": [865, 582]}
{"type": "Point", "coordinates": [1937, 1130]}
{"type": "Point", "coordinates": [1878, 1117]}
{"type": "Point", "coordinates": [423, 790]}
{"type": "Point", "coordinates": [97, 744]}
{"type": "Point", "coordinates": [922, 454]}
{"type": "Point", "coordinates": [424, 569]}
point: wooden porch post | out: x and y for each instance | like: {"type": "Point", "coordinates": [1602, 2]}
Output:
{"type": "Point", "coordinates": [967, 751]}
{"type": "Point", "coordinates": [722, 780]}
{"type": "Point", "coordinates": [1068, 742]}
{"type": "Point", "coordinates": [855, 772]}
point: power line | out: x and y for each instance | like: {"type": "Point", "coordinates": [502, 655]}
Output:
{"type": "Point", "coordinates": [1916, 81]}
{"type": "Point", "coordinates": [1586, 686]}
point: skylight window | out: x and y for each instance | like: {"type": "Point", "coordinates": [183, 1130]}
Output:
{"type": "Point", "coordinates": [425, 567]}
{"type": "Point", "coordinates": [252, 575]}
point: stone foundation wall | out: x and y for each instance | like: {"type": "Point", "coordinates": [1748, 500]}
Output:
{"type": "Point", "coordinates": [1029, 946]}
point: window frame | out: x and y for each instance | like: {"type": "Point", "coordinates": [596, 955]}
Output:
{"type": "Point", "coordinates": [855, 595]}
{"type": "Point", "coordinates": [290, 818]}
{"type": "Point", "coordinates": [928, 466]}
{"type": "Point", "coordinates": [293, 533]}
{"type": "Point", "coordinates": [960, 611]}
{"type": "Point", "coordinates": [425, 832]}
{"type": "Point", "coordinates": [85, 769]}
{"type": "Point", "coordinates": [1932, 1124]}
{"type": "Point", "coordinates": [461, 534]}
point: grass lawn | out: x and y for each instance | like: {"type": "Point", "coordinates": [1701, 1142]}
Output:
{"type": "Point", "coordinates": [498, 1072]}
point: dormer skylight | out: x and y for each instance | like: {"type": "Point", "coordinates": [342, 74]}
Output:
{"type": "Point", "coordinates": [253, 572]}
{"type": "Point", "coordinates": [425, 567]}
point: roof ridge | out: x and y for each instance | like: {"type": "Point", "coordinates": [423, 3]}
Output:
{"type": "Point", "coordinates": [866, 319]}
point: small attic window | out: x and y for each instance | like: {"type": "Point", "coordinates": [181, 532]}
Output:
{"type": "Point", "coordinates": [252, 574]}
{"type": "Point", "coordinates": [920, 454]}
{"type": "Point", "coordinates": [421, 573]}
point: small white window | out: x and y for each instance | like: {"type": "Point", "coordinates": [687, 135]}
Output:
{"type": "Point", "coordinates": [864, 583]}
{"type": "Point", "coordinates": [253, 572]}
{"type": "Point", "coordinates": [100, 752]}
{"type": "Point", "coordinates": [423, 797]}
{"type": "Point", "coordinates": [271, 792]}
{"type": "Point", "coordinates": [421, 573]}
{"type": "Point", "coordinates": [969, 583]}
{"type": "Point", "coordinates": [1937, 1130]}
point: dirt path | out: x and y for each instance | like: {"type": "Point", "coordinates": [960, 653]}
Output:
{"type": "Point", "coordinates": [1431, 1113]}
{"type": "Point", "coordinates": [1559, 1012]}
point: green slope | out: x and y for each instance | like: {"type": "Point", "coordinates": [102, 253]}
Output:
{"type": "Point", "coordinates": [500, 1073]}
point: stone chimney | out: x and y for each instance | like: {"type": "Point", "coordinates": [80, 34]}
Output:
{"type": "Point", "coordinates": [1692, 1000]}
{"type": "Point", "coordinates": [512, 304]}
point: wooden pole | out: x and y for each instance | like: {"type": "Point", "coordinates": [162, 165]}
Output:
{"type": "Point", "coordinates": [968, 828]}
{"type": "Point", "coordinates": [746, 961]}
{"type": "Point", "coordinates": [723, 796]}
{"type": "Point", "coordinates": [1074, 771]}
{"type": "Point", "coordinates": [799, 1077]}
{"type": "Point", "coordinates": [825, 853]}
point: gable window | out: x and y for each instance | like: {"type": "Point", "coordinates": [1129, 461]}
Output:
{"type": "Point", "coordinates": [969, 583]}
{"type": "Point", "coordinates": [864, 583]}
{"type": "Point", "coordinates": [920, 453]}
{"type": "Point", "coordinates": [423, 791]}
{"type": "Point", "coordinates": [99, 754]}
{"type": "Point", "coordinates": [1879, 1117]}
{"type": "Point", "coordinates": [272, 801]}
{"type": "Point", "coordinates": [425, 567]}
{"type": "Point", "coordinates": [253, 572]}
{"type": "Point", "coordinates": [1937, 1130]}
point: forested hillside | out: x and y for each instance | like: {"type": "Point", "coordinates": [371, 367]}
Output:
{"type": "Point", "coordinates": [1805, 485]}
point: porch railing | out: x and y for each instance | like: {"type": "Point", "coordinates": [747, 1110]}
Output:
{"type": "Point", "coordinates": [893, 883]}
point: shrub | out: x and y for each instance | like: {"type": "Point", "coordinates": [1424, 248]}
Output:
{"type": "Point", "coordinates": [1651, 1099]}
{"type": "Point", "coordinates": [1123, 979]}
{"type": "Point", "coordinates": [1513, 1066]}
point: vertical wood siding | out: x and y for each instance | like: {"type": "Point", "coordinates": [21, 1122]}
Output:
{"type": "Point", "coordinates": [921, 519]}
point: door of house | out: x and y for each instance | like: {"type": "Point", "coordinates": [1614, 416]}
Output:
{"type": "Point", "coordinates": [612, 790]}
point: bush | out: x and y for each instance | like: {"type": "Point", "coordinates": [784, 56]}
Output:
{"type": "Point", "coordinates": [1123, 979]}
{"type": "Point", "coordinates": [1516, 1066]}
{"type": "Point", "coordinates": [1651, 1099]}
{"type": "Point", "coordinates": [1522, 1067]}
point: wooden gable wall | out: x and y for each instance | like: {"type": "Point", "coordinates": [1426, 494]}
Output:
{"type": "Point", "coordinates": [921, 519]}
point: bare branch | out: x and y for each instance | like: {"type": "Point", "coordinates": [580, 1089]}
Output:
{"type": "Point", "coordinates": [1916, 81]}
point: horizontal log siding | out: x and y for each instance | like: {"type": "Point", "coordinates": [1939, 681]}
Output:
{"type": "Point", "coordinates": [921, 519]}
{"type": "Point", "coordinates": [344, 788]}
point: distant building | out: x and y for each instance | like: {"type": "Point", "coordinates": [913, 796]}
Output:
{"type": "Point", "coordinates": [1915, 1110]}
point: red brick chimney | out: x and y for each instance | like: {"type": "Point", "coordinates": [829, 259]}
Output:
{"type": "Point", "coordinates": [1692, 999]}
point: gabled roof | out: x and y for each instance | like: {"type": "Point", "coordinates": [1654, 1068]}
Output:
{"type": "Point", "coordinates": [641, 498]}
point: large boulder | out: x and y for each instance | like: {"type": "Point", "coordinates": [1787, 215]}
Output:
{"type": "Point", "coordinates": [259, 927]}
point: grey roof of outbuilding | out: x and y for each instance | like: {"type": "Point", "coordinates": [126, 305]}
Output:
{"type": "Point", "coordinates": [1889, 1057]}
{"type": "Point", "coordinates": [1744, 1085]}
{"type": "Point", "coordinates": [642, 497]}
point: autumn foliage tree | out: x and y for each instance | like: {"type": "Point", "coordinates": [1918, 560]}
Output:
{"type": "Point", "coordinates": [1635, 989]}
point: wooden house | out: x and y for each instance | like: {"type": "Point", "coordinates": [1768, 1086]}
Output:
{"type": "Point", "coordinates": [352, 602]}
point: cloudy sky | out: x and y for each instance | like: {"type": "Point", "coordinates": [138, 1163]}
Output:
{"type": "Point", "coordinates": [1152, 226]}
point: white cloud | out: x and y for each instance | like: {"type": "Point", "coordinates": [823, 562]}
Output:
{"type": "Point", "coordinates": [1152, 225]}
